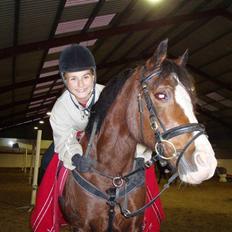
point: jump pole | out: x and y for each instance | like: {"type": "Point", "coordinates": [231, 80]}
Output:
{"type": "Point", "coordinates": [32, 163]}
{"type": "Point", "coordinates": [25, 164]}
{"type": "Point", "coordinates": [36, 168]}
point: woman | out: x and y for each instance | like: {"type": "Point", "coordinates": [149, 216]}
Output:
{"type": "Point", "coordinates": [68, 119]}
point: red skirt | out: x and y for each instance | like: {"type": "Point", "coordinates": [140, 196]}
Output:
{"type": "Point", "coordinates": [47, 216]}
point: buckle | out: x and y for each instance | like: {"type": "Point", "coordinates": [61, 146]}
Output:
{"type": "Point", "coordinates": [118, 181]}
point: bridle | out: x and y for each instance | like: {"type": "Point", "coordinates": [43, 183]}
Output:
{"type": "Point", "coordinates": [160, 137]}
{"type": "Point", "coordinates": [156, 124]}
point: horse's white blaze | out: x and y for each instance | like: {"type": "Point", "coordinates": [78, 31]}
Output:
{"type": "Point", "coordinates": [203, 156]}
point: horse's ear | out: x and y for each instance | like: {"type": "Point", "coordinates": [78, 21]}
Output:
{"type": "Point", "coordinates": [161, 52]}
{"type": "Point", "coordinates": [182, 60]}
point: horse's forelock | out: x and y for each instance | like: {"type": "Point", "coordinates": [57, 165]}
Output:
{"type": "Point", "coordinates": [169, 67]}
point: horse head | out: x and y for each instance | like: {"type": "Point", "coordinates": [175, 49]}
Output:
{"type": "Point", "coordinates": [166, 117]}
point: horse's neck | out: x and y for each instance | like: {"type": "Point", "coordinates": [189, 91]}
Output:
{"type": "Point", "coordinates": [115, 146]}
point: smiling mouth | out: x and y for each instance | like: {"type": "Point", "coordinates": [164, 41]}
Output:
{"type": "Point", "coordinates": [81, 91]}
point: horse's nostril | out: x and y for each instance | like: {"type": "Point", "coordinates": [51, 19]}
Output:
{"type": "Point", "coordinates": [199, 159]}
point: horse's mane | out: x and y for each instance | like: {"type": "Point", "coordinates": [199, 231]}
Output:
{"type": "Point", "coordinates": [107, 97]}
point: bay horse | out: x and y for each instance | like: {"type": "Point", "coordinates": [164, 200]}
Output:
{"type": "Point", "coordinates": [152, 106]}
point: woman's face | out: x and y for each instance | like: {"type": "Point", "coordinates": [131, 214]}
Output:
{"type": "Point", "coordinates": [80, 84]}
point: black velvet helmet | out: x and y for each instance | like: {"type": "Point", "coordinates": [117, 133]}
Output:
{"type": "Point", "coordinates": [76, 58]}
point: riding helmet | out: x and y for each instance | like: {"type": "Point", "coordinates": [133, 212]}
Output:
{"type": "Point", "coordinates": [76, 58]}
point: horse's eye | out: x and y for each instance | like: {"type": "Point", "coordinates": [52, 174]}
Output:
{"type": "Point", "coordinates": [161, 96]}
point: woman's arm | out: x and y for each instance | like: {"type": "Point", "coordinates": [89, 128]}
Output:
{"type": "Point", "coordinates": [64, 135]}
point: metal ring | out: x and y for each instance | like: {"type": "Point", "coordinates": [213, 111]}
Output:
{"type": "Point", "coordinates": [126, 213]}
{"type": "Point", "coordinates": [153, 122]}
{"type": "Point", "coordinates": [144, 85]}
{"type": "Point", "coordinates": [118, 181]}
{"type": "Point", "coordinates": [153, 125]}
{"type": "Point", "coordinates": [164, 157]}
{"type": "Point", "coordinates": [148, 164]}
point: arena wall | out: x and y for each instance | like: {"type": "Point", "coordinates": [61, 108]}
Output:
{"type": "Point", "coordinates": [21, 161]}
{"type": "Point", "coordinates": [226, 163]}
{"type": "Point", "coordinates": [15, 160]}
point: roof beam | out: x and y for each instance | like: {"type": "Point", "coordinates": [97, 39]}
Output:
{"type": "Point", "coordinates": [19, 122]}
{"type": "Point", "coordinates": [23, 112]}
{"type": "Point", "coordinates": [42, 45]}
{"type": "Point", "coordinates": [93, 15]}
{"type": "Point", "coordinates": [208, 77]}
{"type": "Point", "coordinates": [212, 117]}
{"type": "Point", "coordinates": [15, 42]}
{"type": "Point", "coordinates": [215, 59]}
{"type": "Point", "coordinates": [227, 15]}
{"type": "Point", "coordinates": [31, 82]}
{"type": "Point", "coordinates": [117, 20]}
{"type": "Point", "coordinates": [38, 108]}
{"type": "Point", "coordinates": [21, 102]}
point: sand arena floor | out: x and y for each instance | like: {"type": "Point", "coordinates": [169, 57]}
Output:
{"type": "Point", "coordinates": [203, 208]}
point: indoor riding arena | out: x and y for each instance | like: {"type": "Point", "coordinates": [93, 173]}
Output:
{"type": "Point", "coordinates": [158, 42]}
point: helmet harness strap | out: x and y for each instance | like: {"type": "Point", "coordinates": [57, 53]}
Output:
{"type": "Point", "coordinates": [87, 109]}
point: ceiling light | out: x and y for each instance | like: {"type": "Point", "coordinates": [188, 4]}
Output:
{"type": "Point", "coordinates": [10, 143]}
{"type": "Point", "coordinates": [36, 128]}
{"type": "Point", "coordinates": [48, 113]}
{"type": "Point", "coordinates": [41, 122]}
{"type": "Point", "coordinates": [154, 1]}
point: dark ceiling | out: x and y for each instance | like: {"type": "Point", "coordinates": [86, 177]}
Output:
{"type": "Point", "coordinates": [121, 34]}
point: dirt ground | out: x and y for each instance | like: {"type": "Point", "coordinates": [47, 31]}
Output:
{"type": "Point", "coordinates": [203, 208]}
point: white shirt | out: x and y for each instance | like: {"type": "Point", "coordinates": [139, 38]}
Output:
{"type": "Point", "coordinates": [66, 120]}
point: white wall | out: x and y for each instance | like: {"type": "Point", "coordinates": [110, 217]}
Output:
{"type": "Point", "coordinates": [6, 144]}
{"type": "Point", "coordinates": [9, 158]}
{"type": "Point", "coordinates": [15, 160]}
